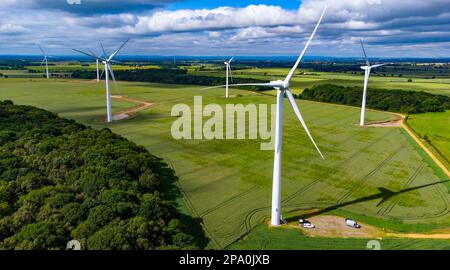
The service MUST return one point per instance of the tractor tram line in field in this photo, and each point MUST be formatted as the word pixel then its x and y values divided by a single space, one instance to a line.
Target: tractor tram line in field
pixel 247 223
pixel 191 206
pixel 336 167
pixel 383 211
pixel 351 186
pixel 230 200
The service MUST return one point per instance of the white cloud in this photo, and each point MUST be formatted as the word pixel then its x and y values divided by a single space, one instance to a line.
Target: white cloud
pixel 212 19
pixel 12 29
pixel 253 29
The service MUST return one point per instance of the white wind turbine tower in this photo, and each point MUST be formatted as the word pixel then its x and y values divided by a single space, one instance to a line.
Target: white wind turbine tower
pixel 283 88
pixel 45 60
pixel 228 74
pixel 367 68
pixel 108 70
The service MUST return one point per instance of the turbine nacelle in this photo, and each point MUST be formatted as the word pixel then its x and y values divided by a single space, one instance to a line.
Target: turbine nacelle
pixel 279 84
pixel 365 67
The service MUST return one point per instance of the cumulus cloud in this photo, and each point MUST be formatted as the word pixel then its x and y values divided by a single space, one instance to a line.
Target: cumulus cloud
pixel 212 19
pixel 385 24
pixel 12 29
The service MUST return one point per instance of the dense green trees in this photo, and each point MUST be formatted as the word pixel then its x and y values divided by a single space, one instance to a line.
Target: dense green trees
pixel 381 99
pixel 60 180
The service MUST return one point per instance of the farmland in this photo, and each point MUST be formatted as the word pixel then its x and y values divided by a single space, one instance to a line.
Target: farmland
pixel 227 183
pixel 309 78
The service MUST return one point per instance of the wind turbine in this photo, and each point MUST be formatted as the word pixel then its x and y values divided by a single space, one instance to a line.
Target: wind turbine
pixel 45 60
pixel 228 74
pixel 283 88
pixel 106 60
pixel 367 68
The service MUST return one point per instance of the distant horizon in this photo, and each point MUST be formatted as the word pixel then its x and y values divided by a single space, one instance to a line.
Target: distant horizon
pixel 76 57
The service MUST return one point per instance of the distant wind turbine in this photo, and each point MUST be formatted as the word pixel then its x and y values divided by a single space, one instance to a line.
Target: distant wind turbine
pixel 45 60
pixel 283 88
pixel 228 74
pixel 367 68
pixel 108 70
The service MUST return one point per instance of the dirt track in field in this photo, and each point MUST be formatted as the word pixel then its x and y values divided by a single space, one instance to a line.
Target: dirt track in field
pixel 335 227
pixel 141 105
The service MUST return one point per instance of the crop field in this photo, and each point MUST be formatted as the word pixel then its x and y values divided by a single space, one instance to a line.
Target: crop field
pixel 435 127
pixel 435 86
pixel 227 183
pixel 263 238
pixel 75 67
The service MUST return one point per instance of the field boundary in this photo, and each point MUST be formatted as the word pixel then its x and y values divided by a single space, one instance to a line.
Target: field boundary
pixel 416 138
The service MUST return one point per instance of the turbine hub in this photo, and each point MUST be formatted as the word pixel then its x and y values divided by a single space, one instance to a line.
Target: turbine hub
pixel 280 84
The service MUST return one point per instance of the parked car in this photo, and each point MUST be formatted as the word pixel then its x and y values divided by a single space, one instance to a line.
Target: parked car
pixel 306 224
pixel 352 223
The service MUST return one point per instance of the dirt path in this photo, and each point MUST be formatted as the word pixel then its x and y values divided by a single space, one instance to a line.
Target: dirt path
pixel 141 105
pixel 334 226
pixel 392 123
pixel 423 146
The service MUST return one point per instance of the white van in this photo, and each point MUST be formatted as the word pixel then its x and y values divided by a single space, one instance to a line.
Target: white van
pixel 352 223
pixel 306 224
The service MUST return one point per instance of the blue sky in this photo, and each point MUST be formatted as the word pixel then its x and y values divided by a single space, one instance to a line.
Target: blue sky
pixel 391 28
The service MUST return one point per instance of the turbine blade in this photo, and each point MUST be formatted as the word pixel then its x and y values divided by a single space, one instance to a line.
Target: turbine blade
pixel 103 72
pixel 85 53
pixel 365 55
pixel 103 49
pixel 245 84
pixel 114 79
pixel 118 50
pixel 43 61
pixel 291 73
pixel 299 115
pixel 40 48
pixel 96 56
pixel 379 65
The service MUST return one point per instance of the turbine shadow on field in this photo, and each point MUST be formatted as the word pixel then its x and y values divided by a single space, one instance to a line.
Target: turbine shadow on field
pixel 384 194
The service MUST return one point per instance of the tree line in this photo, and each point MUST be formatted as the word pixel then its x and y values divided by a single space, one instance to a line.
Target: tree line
pixel 380 99
pixel 170 76
pixel 60 180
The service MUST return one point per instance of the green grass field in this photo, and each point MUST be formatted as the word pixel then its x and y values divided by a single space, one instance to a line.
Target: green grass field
pixel 227 183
